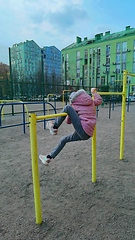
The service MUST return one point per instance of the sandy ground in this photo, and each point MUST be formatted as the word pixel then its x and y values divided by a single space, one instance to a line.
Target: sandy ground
pixel 73 208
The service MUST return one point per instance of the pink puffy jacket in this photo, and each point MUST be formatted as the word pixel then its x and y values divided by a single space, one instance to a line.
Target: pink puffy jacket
pixel 84 105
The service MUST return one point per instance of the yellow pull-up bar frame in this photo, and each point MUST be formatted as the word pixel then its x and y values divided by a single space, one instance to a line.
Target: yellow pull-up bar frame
pixel 34 148
pixel 123 111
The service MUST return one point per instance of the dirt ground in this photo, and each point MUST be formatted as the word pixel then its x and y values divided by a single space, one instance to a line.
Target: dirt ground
pixel 73 208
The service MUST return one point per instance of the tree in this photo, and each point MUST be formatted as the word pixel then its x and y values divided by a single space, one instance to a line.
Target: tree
pixel 4 81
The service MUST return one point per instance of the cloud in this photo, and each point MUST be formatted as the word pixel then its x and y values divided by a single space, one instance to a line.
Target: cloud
pixel 60 14
pixel 27 17
pixel 51 20
pixel 55 22
pixel 67 17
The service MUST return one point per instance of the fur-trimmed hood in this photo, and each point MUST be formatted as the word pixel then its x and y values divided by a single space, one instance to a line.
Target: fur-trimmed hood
pixel 74 95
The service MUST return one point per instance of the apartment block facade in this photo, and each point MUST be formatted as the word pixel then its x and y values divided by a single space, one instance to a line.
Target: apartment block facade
pixel 33 69
pixel 101 60
pixel 51 66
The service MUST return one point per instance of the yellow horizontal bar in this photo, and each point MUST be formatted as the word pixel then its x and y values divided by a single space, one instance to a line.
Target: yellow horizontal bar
pixel 66 91
pixel 3 101
pixel 110 93
pixel 51 94
pixel 51 116
pixel 118 80
pixel 131 74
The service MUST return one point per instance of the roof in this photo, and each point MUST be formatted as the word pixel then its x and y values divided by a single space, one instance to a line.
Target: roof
pixel 101 38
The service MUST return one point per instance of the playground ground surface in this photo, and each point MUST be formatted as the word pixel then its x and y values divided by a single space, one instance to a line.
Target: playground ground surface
pixel 73 208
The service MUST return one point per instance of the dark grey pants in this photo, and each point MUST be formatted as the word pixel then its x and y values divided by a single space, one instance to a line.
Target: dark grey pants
pixel 78 135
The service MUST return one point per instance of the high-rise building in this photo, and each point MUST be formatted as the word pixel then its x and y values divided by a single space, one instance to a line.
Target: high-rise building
pixel 26 68
pixel 52 67
pixel 101 60
pixel 34 71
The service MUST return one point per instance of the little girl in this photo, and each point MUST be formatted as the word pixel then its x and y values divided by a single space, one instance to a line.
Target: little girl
pixel 82 114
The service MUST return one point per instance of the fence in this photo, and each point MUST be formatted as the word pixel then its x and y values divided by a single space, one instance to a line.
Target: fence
pixel 31 91
pixel 24 112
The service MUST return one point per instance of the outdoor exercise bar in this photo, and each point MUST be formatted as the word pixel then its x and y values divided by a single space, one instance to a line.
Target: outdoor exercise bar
pixel 123 111
pixel 34 149
pixel 34 157
pixel 54 98
pixel 24 123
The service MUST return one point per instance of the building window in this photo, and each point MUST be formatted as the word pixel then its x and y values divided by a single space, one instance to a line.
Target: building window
pixel 78 64
pixel 118 58
pixel 86 54
pixel 98 57
pixel 124 47
pixel 134 67
pixel 90 58
pixel 93 82
pixel 98 82
pixel 124 57
pixel 98 70
pixel 134 57
pixel 85 61
pixel 123 66
pixel 134 45
pixel 112 78
pixel 102 80
pixel 107 60
pixel 118 46
pixel 107 50
pixel 98 51
pixel 81 82
pixel 118 68
pixel 91 51
pixel 78 55
pixel 67 57
pixel 98 62
pixel 107 69
pixel 133 89
pixel 67 66
pixel 85 71
pixel 78 73
pixel 107 56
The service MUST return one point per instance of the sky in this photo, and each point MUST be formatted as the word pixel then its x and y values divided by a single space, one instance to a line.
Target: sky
pixel 58 22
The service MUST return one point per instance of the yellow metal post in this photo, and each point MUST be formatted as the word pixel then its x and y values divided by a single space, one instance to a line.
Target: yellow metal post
pixel 35 171
pixel 123 111
pixel 94 153
pixel 94 156
pixel 2 113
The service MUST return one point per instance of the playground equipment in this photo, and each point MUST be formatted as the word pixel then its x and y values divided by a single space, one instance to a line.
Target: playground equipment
pixel 24 108
pixel 34 156
pixel 12 104
pixel 34 149
pixel 54 98
pixel 123 111
pixel 12 101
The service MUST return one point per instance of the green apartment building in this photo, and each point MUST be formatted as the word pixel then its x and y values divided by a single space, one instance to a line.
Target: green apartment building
pixel 34 71
pixel 26 68
pixel 100 61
